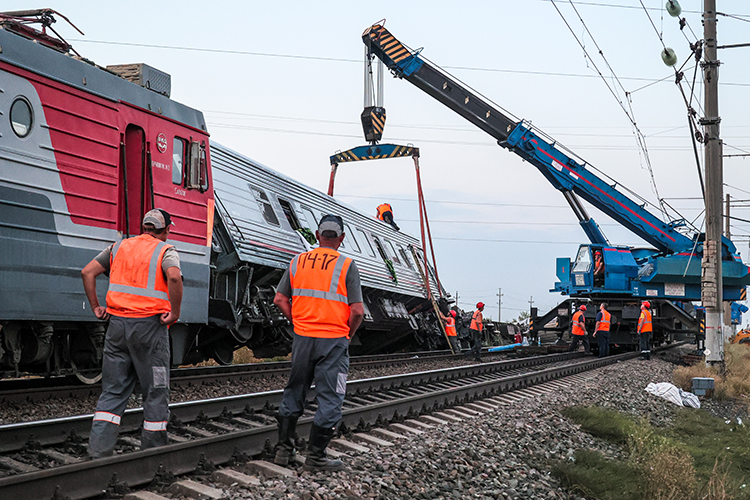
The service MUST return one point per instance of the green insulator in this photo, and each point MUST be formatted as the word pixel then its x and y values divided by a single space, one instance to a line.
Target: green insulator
pixel 668 56
pixel 673 8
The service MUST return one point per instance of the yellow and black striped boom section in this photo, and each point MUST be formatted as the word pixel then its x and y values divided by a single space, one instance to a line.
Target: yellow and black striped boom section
pixel 381 42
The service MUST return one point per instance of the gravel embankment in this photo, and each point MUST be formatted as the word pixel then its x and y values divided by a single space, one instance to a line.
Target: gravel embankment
pixel 500 455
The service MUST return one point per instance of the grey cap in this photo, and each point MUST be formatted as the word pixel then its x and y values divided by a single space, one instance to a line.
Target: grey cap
pixel 331 223
pixel 158 218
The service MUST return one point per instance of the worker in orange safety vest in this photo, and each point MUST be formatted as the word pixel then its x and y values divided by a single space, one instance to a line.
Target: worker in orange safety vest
pixel 144 299
pixel 385 213
pixel 450 330
pixel 579 331
pixel 645 329
pixel 320 294
pixel 601 331
pixel 477 329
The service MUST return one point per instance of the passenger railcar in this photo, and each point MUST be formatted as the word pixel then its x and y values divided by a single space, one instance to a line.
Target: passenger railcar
pixel 84 153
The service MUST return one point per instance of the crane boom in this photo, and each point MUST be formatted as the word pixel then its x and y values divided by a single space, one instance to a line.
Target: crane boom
pixel 562 171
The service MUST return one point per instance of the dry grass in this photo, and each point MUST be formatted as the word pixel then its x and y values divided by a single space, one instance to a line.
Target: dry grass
pixel 735 383
pixel 244 355
pixel 667 468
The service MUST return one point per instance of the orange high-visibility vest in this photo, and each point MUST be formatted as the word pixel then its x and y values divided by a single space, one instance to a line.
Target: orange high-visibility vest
pixel 320 300
pixel 450 327
pixel 137 286
pixel 579 325
pixel 644 322
pixel 604 323
pixel 383 208
pixel 476 321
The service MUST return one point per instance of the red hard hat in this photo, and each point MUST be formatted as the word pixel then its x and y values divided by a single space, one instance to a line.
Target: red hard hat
pixel 646 304
pixel 583 307
pixel 597 252
pixel 480 305
pixel 453 313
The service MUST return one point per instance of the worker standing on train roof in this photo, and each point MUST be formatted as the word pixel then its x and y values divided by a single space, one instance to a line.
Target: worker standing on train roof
pixel 579 331
pixel 144 298
pixel 601 331
pixel 645 327
pixel 326 310
pixel 450 330
pixel 385 213
pixel 477 329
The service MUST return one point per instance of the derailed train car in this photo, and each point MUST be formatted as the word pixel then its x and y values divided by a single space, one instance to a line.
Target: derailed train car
pixel 85 152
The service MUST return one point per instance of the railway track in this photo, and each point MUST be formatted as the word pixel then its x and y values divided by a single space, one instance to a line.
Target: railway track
pixel 40 389
pixel 39 457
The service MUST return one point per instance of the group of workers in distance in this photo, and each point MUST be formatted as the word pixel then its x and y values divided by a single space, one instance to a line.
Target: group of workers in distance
pixel 601 330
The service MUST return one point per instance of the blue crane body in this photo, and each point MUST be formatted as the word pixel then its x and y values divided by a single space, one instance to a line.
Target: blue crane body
pixel 670 270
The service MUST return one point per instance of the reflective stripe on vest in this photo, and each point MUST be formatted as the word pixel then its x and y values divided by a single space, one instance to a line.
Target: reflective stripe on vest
pixel 604 323
pixel 154 426
pixel 320 302
pixel 450 327
pixel 476 323
pixel 106 416
pixel 644 322
pixel 579 326
pixel 132 295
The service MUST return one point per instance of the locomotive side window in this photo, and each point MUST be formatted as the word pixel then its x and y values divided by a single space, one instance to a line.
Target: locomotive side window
pixel 197 175
pixel 351 238
pixel 368 246
pixel 291 216
pixel 265 205
pixel 21 117
pixel 179 148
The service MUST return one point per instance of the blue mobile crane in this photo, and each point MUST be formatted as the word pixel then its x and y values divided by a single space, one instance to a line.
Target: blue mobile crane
pixel 668 275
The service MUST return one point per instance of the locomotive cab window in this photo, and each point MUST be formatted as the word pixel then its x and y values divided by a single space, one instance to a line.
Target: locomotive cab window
pixel 196 174
pixel 179 148
pixel 265 205
pixel 291 216
pixel 21 117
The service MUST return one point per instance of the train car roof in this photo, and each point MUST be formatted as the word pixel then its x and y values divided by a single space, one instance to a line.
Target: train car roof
pixel 50 63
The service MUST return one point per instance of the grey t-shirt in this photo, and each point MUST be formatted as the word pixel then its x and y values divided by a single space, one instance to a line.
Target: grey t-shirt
pixel 171 258
pixel 353 286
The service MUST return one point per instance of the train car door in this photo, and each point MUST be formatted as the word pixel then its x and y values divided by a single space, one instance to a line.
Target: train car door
pixel 136 185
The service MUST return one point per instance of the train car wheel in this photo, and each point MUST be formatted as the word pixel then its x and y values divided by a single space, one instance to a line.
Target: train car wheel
pixel 222 353
pixel 91 376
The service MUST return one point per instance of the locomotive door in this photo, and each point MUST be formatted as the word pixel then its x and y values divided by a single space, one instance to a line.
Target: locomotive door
pixel 136 182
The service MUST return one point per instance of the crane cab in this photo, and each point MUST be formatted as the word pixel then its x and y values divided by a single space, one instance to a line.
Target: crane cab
pixel 597 269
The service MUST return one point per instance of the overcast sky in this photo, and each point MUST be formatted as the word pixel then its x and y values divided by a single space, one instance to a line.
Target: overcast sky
pixel 281 82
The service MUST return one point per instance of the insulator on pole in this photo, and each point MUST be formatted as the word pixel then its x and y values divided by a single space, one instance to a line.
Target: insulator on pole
pixel 668 56
pixel 673 8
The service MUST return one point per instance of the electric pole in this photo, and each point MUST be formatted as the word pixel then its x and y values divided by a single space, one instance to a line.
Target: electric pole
pixel 531 302
pixel 499 304
pixel 711 280
pixel 457 299
pixel 727 305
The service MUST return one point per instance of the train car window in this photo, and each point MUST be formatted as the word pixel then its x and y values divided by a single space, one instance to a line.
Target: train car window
pixel 392 252
pixel 265 205
pixel 368 246
pixel 405 257
pixel 312 221
pixel 21 117
pixel 179 148
pixel 291 216
pixel 380 248
pixel 351 238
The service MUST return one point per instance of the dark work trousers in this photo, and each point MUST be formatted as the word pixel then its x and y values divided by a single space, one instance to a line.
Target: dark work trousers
pixel 577 338
pixel 602 338
pixel 135 349
pixel 476 343
pixel 645 344
pixel 325 362
pixel 454 344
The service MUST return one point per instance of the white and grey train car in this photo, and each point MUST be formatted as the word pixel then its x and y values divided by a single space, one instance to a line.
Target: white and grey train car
pixel 261 216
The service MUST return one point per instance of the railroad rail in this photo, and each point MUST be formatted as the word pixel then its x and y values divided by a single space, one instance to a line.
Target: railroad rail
pixel 40 389
pixel 228 430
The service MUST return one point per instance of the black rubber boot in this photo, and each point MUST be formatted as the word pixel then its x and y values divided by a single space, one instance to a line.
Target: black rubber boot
pixel 316 457
pixel 285 449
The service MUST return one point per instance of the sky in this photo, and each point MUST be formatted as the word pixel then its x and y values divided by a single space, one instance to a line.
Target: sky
pixel 282 83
